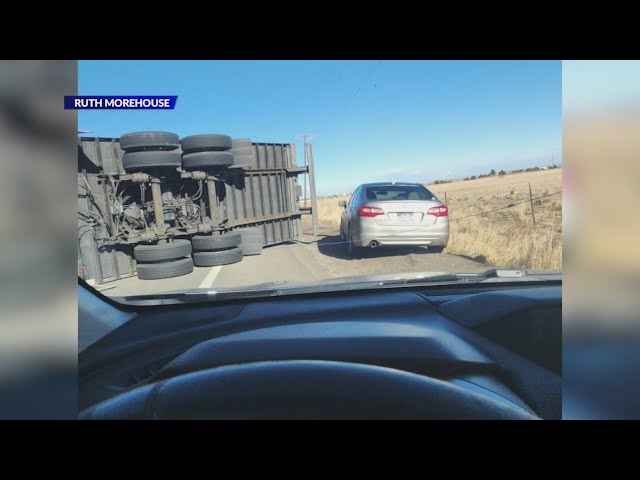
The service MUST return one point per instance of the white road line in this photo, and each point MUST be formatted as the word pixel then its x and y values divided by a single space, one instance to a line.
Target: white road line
pixel 211 277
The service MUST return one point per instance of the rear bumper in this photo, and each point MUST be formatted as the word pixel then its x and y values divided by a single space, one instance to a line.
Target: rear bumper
pixel 434 235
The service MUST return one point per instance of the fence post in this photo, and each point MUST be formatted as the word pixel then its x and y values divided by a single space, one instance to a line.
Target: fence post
pixel 446 202
pixel 533 215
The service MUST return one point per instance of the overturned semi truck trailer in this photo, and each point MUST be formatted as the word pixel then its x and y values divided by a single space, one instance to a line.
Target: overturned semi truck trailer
pixel 155 206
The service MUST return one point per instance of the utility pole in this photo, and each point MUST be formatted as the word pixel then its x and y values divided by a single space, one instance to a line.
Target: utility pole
pixel 305 137
pixel 308 163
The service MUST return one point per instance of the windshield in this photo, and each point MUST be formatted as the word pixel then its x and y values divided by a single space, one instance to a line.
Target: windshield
pixel 269 174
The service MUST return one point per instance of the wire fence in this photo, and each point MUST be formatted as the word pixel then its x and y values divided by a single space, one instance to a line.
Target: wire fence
pixel 510 205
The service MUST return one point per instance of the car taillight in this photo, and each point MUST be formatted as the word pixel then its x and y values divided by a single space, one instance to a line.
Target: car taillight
pixel 438 211
pixel 370 211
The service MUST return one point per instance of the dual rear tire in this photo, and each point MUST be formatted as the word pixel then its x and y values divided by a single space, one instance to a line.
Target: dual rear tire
pixel 152 150
pixel 143 141
pixel 173 259
pixel 216 249
pixel 222 257
pixel 167 269
pixel 166 260
pixel 206 151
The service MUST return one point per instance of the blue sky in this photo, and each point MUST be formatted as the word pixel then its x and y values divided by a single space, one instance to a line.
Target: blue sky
pixel 408 121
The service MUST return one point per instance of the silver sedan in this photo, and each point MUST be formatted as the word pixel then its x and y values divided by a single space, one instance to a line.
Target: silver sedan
pixel 394 213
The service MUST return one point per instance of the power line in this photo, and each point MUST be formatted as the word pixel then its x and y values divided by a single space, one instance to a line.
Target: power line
pixel 364 80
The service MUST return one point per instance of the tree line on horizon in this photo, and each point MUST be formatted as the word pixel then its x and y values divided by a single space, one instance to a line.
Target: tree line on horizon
pixel 501 173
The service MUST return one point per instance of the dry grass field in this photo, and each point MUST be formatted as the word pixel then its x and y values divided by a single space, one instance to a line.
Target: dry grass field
pixel 505 238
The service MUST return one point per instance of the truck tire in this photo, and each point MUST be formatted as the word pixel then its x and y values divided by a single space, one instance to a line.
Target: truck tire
pixel 167 251
pixel 141 160
pixel 196 160
pixel 352 251
pixel 207 243
pixel 212 259
pixel 211 142
pixel 174 268
pixel 134 141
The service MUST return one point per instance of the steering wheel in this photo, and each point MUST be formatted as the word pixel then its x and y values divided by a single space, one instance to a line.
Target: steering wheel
pixel 303 389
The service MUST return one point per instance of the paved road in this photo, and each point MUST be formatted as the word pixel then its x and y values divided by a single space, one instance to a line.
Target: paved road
pixel 309 259
pixel 281 262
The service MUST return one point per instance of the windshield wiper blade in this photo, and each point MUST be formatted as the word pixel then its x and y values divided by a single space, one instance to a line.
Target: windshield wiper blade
pixel 458 277
pixel 199 295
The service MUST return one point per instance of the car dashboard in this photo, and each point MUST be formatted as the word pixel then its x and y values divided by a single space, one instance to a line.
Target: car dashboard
pixel 452 352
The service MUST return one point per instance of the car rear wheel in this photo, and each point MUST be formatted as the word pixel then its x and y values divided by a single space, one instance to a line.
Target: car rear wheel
pixel 352 251
pixel 436 249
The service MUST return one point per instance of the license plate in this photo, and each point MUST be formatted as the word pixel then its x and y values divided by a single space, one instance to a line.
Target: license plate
pixel 405 217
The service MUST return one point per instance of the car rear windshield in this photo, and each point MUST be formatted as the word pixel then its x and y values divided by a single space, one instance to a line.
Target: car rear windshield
pixel 398 192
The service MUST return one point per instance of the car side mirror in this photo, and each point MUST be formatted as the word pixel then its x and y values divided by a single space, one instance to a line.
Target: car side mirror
pixel 342 203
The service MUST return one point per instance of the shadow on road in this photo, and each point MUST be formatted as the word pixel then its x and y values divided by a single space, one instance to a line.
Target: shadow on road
pixel 332 246
pixel 478 258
